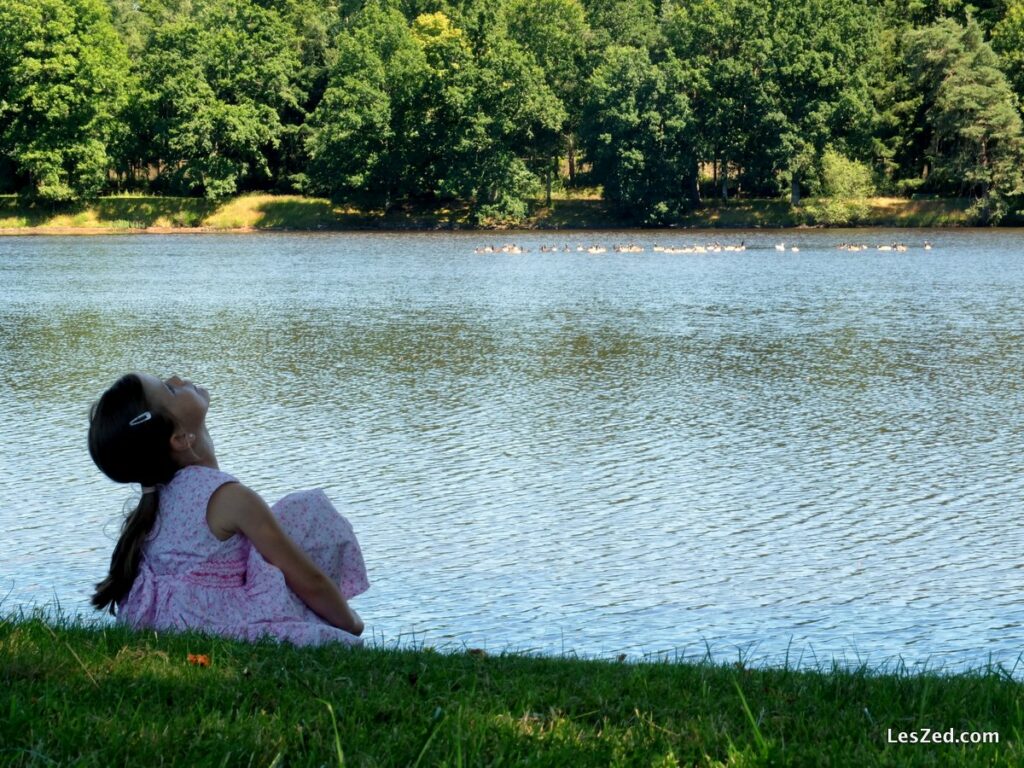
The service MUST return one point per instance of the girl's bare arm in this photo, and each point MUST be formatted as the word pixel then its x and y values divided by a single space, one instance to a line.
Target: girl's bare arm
pixel 234 508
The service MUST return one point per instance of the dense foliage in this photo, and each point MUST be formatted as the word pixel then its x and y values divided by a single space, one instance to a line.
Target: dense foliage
pixel 492 103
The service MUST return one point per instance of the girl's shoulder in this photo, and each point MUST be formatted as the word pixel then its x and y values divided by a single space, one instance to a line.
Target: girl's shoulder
pixel 199 476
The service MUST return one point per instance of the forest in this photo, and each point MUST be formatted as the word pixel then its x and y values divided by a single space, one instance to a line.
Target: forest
pixel 492 104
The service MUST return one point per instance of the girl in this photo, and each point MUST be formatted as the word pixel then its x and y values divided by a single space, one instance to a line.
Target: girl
pixel 202 551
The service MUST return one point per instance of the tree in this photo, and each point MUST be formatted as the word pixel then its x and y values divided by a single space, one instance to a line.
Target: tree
pixel 358 130
pixel 63 77
pixel 977 145
pixel 214 82
pixel 413 112
pixel 511 130
pixel 818 70
pixel 728 60
pixel 1008 42
pixel 635 132
pixel 313 26
pixel 630 23
pixel 556 34
pixel 844 185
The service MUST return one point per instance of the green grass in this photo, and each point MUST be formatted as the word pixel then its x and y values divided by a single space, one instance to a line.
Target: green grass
pixel 743 213
pixel 590 212
pixel 573 209
pixel 106 696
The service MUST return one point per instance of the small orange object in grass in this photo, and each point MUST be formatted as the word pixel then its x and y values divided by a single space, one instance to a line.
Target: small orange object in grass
pixel 199 659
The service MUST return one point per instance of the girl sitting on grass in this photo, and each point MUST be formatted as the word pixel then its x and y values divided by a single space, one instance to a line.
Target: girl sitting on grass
pixel 201 551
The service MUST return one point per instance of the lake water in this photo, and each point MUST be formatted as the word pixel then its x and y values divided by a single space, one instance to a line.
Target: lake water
pixel 816 453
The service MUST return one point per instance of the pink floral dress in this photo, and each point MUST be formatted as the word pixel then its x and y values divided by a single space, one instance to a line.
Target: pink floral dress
pixel 189 579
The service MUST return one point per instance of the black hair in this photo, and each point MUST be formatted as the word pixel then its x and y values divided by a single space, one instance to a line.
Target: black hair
pixel 127 453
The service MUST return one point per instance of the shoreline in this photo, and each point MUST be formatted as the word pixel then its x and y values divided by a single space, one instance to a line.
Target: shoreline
pixel 254 213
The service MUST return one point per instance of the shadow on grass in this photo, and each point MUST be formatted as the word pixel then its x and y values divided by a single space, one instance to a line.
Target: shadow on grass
pixel 303 214
pixel 36 214
pixel 320 214
pixel 741 213
pixel 313 214
pixel 134 212
pixel 150 211
pixel 576 214
pixel 596 214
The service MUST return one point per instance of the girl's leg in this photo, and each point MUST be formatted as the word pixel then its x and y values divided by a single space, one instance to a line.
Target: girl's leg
pixel 313 523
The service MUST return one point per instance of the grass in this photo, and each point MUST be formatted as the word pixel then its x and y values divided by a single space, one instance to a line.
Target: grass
pixel 572 209
pixel 743 213
pixel 588 211
pixel 95 696
pixel 245 212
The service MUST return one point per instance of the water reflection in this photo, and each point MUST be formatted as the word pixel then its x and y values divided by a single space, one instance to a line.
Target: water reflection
pixel 628 452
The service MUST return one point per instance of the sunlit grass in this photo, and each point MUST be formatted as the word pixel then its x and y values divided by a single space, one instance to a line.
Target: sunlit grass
pixel 99 696
pixel 897 211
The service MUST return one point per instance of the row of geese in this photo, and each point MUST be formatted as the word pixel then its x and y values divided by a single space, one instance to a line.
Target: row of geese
pixel 707 248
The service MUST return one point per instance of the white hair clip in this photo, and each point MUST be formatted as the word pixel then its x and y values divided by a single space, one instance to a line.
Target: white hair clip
pixel 142 418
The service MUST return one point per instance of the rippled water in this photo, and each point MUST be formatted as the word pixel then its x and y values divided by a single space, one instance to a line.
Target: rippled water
pixel 754 453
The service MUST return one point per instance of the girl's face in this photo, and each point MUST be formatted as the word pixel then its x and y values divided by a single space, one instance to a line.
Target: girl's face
pixel 186 403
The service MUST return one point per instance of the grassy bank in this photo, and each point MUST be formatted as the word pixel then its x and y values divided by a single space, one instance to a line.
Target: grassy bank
pixel 290 212
pixel 101 697
pixel 247 212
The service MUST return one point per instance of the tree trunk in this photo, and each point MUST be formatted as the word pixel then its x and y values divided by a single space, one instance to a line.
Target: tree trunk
pixel 794 194
pixel 725 179
pixel 986 213
pixel 572 160
pixel 695 184
pixel 550 163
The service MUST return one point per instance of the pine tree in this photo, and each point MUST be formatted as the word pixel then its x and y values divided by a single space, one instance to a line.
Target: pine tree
pixel 977 144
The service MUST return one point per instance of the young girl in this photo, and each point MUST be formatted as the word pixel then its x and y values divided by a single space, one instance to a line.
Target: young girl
pixel 202 551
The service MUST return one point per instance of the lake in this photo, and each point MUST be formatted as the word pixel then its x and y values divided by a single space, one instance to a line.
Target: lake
pixel 750 454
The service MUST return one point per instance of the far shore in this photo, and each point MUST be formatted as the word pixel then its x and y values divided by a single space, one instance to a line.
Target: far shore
pixel 134 214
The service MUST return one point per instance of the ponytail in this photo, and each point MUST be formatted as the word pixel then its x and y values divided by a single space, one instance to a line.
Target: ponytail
pixel 124 563
pixel 128 452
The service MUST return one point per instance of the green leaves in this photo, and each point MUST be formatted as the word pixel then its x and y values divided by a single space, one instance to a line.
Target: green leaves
pixel 634 129
pixel 473 102
pixel 977 144
pixel 1008 42
pixel 62 83
pixel 213 87
pixel 414 111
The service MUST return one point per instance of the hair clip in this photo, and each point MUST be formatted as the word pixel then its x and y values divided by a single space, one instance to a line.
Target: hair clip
pixel 142 418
